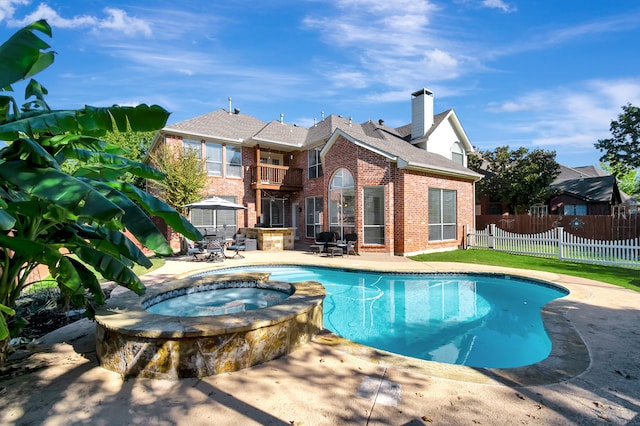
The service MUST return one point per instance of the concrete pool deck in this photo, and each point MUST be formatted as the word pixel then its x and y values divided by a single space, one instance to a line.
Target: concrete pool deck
pixel 329 382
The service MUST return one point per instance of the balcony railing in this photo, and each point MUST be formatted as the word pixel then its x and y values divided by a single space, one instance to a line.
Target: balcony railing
pixel 270 176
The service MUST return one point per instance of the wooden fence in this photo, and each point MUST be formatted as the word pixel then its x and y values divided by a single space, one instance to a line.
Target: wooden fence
pixel 559 244
pixel 609 227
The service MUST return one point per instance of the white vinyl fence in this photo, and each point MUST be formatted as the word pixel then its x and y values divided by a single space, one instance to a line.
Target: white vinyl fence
pixel 559 244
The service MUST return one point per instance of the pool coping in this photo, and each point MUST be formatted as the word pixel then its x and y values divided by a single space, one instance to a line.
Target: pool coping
pixel 569 355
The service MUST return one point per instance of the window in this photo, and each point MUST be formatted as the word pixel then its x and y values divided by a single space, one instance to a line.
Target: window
pixel 189 144
pixel 442 214
pixel 342 202
pixel 273 212
pixel 211 220
pixel 234 161
pixel 315 166
pixel 457 153
pixel 374 215
pixel 314 206
pixel 575 209
pixel 214 159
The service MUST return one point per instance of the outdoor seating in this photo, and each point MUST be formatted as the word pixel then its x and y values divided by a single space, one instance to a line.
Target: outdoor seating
pixel 239 244
pixel 195 249
pixel 351 244
pixel 322 242
pixel 215 248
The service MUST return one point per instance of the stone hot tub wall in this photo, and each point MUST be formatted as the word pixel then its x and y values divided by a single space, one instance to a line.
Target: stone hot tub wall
pixel 134 342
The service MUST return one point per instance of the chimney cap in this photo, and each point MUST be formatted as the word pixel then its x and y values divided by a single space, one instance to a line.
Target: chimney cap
pixel 422 91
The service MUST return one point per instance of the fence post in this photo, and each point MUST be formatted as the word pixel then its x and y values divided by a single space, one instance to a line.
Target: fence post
pixel 560 241
pixel 466 236
pixel 492 232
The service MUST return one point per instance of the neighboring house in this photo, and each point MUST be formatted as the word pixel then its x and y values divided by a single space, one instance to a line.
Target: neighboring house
pixel 403 190
pixel 584 191
pixel 580 191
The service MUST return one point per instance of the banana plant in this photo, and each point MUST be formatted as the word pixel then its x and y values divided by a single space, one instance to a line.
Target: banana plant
pixel 69 220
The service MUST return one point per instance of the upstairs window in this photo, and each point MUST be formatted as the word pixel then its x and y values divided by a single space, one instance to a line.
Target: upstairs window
pixel 234 161
pixel 315 166
pixel 191 145
pixel 457 153
pixel 214 159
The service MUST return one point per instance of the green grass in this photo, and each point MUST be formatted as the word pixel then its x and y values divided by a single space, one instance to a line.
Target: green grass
pixel 49 282
pixel 623 277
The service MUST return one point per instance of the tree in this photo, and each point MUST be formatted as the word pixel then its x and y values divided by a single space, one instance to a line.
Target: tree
pixel 185 176
pixel 628 181
pixel 135 146
pixel 622 151
pixel 519 178
pixel 184 182
pixel 68 220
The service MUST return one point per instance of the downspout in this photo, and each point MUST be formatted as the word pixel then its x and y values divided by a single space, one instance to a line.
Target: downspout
pixel 393 210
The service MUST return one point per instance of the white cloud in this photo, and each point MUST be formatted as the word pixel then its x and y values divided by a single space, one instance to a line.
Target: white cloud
pixel 119 21
pixel 396 44
pixel 116 20
pixel 568 119
pixel 8 8
pixel 499 4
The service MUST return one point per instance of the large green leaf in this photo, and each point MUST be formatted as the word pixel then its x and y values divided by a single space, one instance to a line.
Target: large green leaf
pixel 112 242
pixel 44 254
pixel 141 118
pixel 111 268
pixel 116 163
pixel 21 54
pixel 156 207
pixel 25 149
pixel 135 219
pixel 6 220
pixel 90 121
pixel 58 187
pixel 4 329
pixel 89 280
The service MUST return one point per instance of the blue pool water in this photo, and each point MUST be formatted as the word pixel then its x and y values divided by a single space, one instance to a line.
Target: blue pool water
pixel 218 302
pixel 486 321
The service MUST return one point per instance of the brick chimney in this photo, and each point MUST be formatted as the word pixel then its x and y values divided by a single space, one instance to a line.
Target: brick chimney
pixel 421 113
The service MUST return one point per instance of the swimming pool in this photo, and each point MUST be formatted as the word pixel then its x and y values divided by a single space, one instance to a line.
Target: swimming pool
pixel 477 320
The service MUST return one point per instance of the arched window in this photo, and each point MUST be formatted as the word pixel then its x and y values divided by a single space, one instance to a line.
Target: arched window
pixel 457 153
pixel 342 202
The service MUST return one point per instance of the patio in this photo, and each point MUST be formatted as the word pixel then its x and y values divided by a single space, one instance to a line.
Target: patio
pixel 329 382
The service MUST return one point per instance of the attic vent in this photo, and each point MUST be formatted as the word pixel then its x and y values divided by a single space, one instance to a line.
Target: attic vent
pixel 281 118
pixel 236 111
pixel 381 122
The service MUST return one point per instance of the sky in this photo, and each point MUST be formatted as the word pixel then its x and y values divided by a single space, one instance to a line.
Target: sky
pixel 538 74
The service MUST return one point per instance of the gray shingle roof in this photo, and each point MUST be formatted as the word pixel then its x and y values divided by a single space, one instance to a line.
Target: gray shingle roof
pixel 245 129
pixel 219 125
pixel 598 188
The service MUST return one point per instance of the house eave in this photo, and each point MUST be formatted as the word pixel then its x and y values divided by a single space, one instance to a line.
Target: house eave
pixel 338 132
pixel 443 171
pixel 269 142
pixel 182 133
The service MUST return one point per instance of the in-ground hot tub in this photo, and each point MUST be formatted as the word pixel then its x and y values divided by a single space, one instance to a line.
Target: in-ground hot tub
pixel 135 342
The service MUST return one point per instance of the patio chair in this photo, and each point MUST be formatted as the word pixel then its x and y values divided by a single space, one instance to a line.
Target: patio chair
pixel 238 245
pixel 215 248
pixel 195 248
pixel 351 244
pixel 322 241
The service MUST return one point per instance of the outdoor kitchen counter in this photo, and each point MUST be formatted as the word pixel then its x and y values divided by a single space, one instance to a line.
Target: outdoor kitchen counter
pixel 271 239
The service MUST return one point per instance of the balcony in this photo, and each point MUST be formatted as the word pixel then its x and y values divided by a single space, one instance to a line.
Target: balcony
pixel 281 178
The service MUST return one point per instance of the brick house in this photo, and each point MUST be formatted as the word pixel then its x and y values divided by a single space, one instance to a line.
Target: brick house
pixel 403 190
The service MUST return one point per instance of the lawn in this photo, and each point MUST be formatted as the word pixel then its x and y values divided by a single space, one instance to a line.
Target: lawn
pixel 623 277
